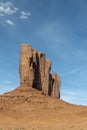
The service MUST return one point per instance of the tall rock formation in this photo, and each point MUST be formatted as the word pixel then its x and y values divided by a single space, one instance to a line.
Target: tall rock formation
pixel 35 72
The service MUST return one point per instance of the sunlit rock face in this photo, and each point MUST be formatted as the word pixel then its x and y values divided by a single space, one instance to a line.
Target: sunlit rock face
pixel 35 72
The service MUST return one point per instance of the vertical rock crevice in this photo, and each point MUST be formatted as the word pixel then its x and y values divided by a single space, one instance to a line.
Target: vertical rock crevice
pixel 35 72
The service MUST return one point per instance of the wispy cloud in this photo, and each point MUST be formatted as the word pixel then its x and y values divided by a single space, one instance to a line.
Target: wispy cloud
pixel 74 96
pixel 1 14
pixel 7 8
pixel 9 22
pixel 25 15
pixel 58 33
pixel 75 70
pixel 7 82
pixel 7 85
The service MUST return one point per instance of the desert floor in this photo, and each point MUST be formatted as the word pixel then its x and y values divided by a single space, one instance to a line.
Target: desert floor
pixel 28 109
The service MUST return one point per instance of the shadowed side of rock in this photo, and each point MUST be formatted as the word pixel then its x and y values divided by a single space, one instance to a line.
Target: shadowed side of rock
pixel 35 72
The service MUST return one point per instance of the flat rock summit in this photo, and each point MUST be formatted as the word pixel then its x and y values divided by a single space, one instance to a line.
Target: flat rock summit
pixel 36 103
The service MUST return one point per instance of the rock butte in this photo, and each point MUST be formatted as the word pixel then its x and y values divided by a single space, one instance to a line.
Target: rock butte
pixel 35 72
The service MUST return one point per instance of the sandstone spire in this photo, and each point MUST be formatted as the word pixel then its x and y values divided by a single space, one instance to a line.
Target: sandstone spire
pixel 35 72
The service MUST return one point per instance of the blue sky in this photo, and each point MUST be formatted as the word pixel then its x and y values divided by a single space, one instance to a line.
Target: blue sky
pixel 56 27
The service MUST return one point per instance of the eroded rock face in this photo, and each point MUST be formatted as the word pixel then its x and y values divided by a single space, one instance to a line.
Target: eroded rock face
pixel 35 72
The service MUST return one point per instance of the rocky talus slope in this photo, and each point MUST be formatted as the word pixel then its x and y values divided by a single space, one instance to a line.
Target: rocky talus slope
pixel 27 109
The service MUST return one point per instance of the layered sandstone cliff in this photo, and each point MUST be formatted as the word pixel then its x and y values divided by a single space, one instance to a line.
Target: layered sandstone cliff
pixel 35 72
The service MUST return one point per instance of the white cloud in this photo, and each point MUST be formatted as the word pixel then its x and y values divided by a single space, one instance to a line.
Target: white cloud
pixel 7 8
pixel 9 22
pixel 25 15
